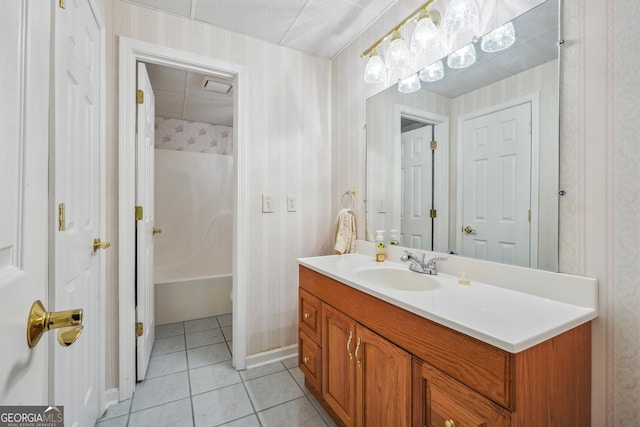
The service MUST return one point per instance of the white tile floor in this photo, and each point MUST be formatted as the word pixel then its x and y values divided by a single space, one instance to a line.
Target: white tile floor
pixel 190 382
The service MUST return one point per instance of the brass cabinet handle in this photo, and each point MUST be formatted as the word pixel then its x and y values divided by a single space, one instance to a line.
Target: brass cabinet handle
pixel 156 231
pixel 359 362
pixel 97 244
pixel 467 230
pixel 349 345
pixel 40 321
pixel 306 315
pixel 449 423
pixel 305 359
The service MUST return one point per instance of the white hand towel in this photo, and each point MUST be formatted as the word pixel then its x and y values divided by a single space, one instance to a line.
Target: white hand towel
pixel 345 229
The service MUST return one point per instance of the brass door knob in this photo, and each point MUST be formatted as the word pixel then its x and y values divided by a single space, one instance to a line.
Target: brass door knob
pixel 156 231
pixel 41 321
pixel 468 229
pixel 449 423
pixel 97 244
pixel 306 315
pixel 306 359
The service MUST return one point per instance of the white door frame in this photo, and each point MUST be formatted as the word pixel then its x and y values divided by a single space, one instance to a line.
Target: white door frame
pixel 132 51
pixel 534 99
pixel 441 185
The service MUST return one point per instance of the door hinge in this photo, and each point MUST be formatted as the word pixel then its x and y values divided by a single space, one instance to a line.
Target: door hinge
pixel 530 127
pixel 139 329
pixel 61 4
pixel 62 222
pixel 139 96
pixel 433 145
pixel 529 215
pixel 433 213
pixel 139 213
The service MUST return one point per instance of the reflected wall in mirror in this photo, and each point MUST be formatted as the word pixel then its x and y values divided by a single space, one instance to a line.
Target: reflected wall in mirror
pixel 487 187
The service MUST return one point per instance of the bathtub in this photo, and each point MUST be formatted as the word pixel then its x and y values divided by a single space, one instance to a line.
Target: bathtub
pixel 193 254
pixel 192 298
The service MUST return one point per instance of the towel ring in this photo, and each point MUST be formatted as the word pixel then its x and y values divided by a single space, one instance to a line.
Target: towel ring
pixel 353 199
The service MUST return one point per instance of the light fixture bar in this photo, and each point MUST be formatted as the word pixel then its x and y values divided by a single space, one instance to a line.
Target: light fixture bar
pixel 415 14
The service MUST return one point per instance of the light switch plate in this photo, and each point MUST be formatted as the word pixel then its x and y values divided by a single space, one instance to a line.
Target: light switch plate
pixel 267 203
pixel 292 204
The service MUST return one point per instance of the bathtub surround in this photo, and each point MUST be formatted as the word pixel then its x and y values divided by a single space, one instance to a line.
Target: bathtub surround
pixel 194 208
pixel 183 135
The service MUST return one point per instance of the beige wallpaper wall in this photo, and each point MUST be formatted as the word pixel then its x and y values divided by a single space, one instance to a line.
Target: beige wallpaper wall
pixel 599 158
pixel 288 146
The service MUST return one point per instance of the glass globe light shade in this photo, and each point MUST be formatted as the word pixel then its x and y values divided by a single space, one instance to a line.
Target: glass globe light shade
pixel 425 36
pixel 376 70
pixel 462 57
pixel 499 39
pixel 398 53
pixel 460 16
pixel 409 84
pixel 432 73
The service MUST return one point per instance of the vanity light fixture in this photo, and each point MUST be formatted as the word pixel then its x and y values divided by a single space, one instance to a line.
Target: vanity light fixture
pixel 398 55
pixel 499 39
pixel 409 84
pixel 463 57
pixel 432 73
pixel 425 35
pixel 460 16
pixel 376 70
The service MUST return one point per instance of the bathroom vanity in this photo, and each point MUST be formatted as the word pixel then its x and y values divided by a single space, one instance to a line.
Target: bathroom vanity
pixel 377 353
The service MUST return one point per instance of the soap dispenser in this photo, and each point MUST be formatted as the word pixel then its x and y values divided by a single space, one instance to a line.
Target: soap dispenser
pixel 393 237
pixel 380 247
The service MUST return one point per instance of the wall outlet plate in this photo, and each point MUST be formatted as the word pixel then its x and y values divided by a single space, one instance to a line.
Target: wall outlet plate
pixel 267 203
pixel 292 204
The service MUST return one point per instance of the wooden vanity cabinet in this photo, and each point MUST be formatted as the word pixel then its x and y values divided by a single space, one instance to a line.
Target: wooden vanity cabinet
pixel 381 365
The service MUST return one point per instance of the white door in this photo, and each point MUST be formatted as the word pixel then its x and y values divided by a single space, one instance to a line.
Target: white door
pixel 415 165
pixel 144 226
pixel 497 185
pixel 23 190
pixel 77 174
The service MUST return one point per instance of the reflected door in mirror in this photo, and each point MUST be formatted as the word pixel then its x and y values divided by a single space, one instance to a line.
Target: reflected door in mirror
pixel 416 192
pixel 496 176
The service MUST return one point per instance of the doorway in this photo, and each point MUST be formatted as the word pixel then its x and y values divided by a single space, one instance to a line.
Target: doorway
pixel 132 52
pixel 193 194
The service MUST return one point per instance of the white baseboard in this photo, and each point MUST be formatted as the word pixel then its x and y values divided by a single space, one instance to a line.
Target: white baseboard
pixel 271 356
pixel 111 397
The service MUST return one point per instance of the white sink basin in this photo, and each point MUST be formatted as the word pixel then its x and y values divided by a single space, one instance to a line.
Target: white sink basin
pixel 399 279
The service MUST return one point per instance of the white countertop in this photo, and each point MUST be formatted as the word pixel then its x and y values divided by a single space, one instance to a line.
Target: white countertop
pixel 505 318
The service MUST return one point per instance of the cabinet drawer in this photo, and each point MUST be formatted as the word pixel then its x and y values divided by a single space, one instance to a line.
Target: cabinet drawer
pixel 310 359
pixel 309 315
pixel 440 400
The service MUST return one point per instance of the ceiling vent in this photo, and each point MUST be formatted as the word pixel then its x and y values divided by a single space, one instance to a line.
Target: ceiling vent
pixel 215 85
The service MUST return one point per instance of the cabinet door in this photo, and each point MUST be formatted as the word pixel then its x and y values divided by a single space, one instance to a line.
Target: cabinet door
pixel 338 367
pixel 383 381
pixel 439 401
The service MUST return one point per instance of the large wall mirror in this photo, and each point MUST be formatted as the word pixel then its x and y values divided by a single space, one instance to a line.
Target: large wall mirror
pixel 469 164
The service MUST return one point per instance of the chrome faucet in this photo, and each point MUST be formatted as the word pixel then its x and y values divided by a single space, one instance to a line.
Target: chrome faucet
pixel 419 266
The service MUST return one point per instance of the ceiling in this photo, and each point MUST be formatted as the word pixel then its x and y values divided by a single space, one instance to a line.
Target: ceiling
pixel 318 27
pixel 180 95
